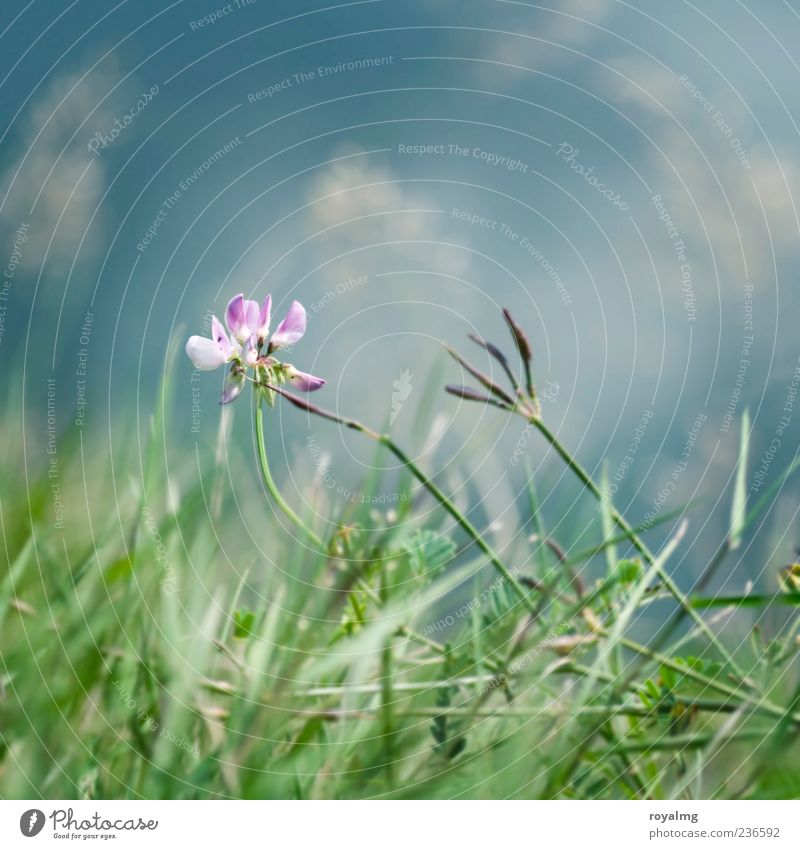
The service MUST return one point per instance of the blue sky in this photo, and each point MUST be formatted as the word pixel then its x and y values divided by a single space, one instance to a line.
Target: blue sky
pixel 623 176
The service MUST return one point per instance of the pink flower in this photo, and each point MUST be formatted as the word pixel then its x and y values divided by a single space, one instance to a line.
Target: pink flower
pixel 245 319
pixel 208 354
pixel 248 347
pixel 291 329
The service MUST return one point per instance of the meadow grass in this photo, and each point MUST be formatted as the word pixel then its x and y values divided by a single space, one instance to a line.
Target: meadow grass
pixel 403 658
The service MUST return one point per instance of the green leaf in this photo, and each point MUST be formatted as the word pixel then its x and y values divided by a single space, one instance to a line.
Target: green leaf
pixel 608 523
pixel 709 668
pixel 538 520
pixel 747 600
pixel 629 571
pixel 739 504
pixel 668 677
pixel 118 570
pixel 308 733
pixel 243 623
pixel 429 552
pixel 447 733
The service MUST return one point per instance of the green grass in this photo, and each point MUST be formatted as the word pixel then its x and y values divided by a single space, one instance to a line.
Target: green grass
pixel 146 656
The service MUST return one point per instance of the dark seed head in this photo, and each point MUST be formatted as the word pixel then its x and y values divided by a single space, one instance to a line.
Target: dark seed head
pixel 523 345
pixel 466 393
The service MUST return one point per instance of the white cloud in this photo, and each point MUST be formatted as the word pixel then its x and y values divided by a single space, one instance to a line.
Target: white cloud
pixel 48 180
pixel 362 202
pixel 711 170
pixel 538 39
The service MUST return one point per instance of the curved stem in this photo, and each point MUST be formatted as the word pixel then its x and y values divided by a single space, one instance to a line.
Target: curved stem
pixel 587 481
pixel 269 483
pixel 764 705
pixel 437 493
pixel 460 518
pixel 635 539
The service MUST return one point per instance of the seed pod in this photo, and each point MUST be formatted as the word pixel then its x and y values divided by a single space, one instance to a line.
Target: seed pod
pixel 523 345
pixel 471 395
pixel 481 377
pixel 466 393
pixel 495 352
pixel 524 348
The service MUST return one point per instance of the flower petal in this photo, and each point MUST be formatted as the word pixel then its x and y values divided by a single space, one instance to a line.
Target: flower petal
pixel 204 353
pixel 251 350
pixel 234 316
pixel 219 335
pixel 291 329
pixel 251 311
pixel 241 316
pixel 264 318
pixel 303 381
pixel 234 383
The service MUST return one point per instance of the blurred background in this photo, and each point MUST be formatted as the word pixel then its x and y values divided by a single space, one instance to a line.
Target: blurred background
pixel 621 177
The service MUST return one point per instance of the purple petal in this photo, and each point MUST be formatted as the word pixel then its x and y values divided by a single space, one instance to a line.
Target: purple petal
pixel 303 381
pixel 264 318
pixel 219 336
pixel 235 318
pixel 291 329
pixel 234 383
pixel 252 313
pixel 205 353
pixel 241 316
pixel 251 350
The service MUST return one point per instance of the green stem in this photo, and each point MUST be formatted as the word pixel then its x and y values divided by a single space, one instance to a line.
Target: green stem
pixel 386 440
pixel 387 698
pixel 714 706
pixel 460 518
pixel 438 648
pixel 587 481
pixel 764 705
pixel 269 483
pixel 683 741
pixel 635 539
pixel 514 713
